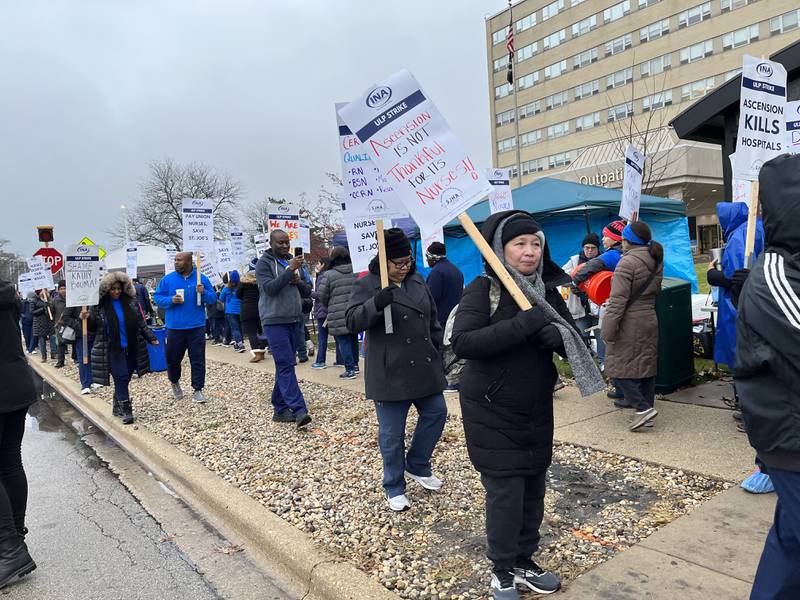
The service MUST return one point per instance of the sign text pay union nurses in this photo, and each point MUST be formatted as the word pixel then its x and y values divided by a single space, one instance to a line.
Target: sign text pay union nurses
pixel 761 116
pixel 414 148
pixel 198 230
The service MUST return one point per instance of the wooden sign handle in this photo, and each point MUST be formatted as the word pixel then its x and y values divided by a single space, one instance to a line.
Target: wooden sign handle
pixel 384 267
pixel 752 216
pixel 199 295
pixel 85 340
pixel 494 262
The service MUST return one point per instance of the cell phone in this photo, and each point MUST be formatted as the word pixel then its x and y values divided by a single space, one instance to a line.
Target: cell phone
pixel 298 253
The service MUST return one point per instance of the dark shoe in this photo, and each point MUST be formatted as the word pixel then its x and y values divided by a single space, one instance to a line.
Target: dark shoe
pixel 302 359
pixel 622 403
pixel 127 412
pixel 615 394
pixel 503 585
pixel 303 419
pixel 536 578
pixel 559 385
pixel 740 427
pixel 15 562
pixel 284 416
pixel 116 408
pixel 59 365
pixel 737 415
pixel 348 375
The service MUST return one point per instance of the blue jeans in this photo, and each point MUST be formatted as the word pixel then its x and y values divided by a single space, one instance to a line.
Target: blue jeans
pixel 348 350
pixel 778 574
pixel 286 391
pixel 84 370
pixel 27 333
pixel 392 439
pixel 121 364
pixel 322 342
pixel 641 393
pixel 235 326
pixel 179 341
pixel 217 328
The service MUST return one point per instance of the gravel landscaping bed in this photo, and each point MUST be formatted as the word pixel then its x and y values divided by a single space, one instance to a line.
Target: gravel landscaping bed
pixel 326 481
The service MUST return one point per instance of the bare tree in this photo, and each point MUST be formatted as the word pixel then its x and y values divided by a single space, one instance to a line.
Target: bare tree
pixel 155 216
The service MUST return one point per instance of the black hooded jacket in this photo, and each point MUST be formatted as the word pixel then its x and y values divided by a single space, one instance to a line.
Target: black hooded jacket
pixel 18 389
pixel 507 384
pixel 767 370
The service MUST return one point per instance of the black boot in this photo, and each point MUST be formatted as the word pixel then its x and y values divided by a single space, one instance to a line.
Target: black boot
pixel 116 408
pixel 14 560
pixel 127 412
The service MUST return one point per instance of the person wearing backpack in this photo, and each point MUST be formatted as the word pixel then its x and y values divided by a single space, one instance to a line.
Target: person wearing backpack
pixel 630 324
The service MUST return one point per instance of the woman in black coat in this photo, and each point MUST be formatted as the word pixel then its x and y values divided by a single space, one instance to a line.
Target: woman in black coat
pixel 403 368
pixel 16 394
pixel 43 327
pixel 247 291
pixel 507 392
pixel 121 336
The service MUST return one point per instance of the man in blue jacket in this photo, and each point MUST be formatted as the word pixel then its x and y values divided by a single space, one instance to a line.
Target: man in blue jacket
pixel 445 281
pixel 186 323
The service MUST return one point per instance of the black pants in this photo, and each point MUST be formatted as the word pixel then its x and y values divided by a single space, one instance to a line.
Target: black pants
pixel 13 483
pixel 179 341
pixel 122 365
pixel 62 352
pixel 514 512
pixel 255 334
pixel 639 392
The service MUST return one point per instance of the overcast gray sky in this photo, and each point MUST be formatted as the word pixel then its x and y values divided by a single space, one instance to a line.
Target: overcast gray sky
pixel 93 90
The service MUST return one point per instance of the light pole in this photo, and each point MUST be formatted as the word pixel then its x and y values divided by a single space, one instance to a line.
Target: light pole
pixel 125 217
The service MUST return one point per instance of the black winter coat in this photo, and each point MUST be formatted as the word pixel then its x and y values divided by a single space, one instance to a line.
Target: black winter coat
pixel 334 293
pixel 17 391
pixel 247 292
pixel 72 318
pixel 100 349
pixel 42 323
pixel 404 365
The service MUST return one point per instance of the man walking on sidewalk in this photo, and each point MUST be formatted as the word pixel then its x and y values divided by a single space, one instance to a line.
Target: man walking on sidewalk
pixel 280 307
pixel 185 320
pixel 767 371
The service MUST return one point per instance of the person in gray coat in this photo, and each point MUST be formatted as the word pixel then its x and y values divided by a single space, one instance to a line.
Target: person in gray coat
pixel 403 368
pixel 334 294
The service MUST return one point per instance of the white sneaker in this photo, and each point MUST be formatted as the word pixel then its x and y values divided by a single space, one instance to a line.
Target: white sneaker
pixel 432 482
pixel 86 391
pixel 398 503
pixel 95 386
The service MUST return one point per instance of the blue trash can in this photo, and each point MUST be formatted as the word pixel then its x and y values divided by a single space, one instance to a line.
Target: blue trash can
pixel 158 357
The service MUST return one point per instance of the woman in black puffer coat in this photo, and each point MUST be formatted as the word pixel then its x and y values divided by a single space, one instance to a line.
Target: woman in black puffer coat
pixel 120 344
pixel 247 291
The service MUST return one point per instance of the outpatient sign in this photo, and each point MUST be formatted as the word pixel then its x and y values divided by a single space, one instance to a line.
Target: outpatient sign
pixel 198 224
pixel 412 145
pixel 82 274
pixel 500 198
pixel 762 125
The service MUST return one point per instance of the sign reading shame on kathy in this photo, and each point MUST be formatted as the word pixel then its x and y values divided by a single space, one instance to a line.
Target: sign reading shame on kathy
pixel 287 218
pixel 762 102
pixel 198 224
pixel 414 148
pixel 82 273
pixel 500 198
pixel 632 184
pixel 793 127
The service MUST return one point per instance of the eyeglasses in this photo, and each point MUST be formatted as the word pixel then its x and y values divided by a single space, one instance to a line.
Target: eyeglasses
pixel 404 264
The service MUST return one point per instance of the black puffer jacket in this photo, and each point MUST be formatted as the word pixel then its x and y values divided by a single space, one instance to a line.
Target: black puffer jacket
pixel 507 384
pixel 334 293
pixel 17 390
pixel 137 342
pixel 247 292
pixel 767 370
pixel 42 323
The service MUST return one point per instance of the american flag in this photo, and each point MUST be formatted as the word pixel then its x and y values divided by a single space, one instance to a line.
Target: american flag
pixel 510 46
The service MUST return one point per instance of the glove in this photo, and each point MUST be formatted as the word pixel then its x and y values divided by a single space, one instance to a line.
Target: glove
pixel 737 283
pixel 548 338
pixel 531 320
pixel 384 297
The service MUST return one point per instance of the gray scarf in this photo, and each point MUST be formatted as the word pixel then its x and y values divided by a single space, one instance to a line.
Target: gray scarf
pixel 587 376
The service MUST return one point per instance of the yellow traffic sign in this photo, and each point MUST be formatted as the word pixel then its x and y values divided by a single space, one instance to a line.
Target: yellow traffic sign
pixel 88 242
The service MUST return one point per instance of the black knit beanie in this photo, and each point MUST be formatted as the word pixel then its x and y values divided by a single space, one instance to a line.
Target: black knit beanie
pixel 437 249
pixel 519 224
pixel 397 244
pixel 592 239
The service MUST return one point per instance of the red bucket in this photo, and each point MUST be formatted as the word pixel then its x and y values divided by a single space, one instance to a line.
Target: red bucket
pixel 597 287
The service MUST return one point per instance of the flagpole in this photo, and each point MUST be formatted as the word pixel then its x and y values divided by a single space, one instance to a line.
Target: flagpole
pixel 512 82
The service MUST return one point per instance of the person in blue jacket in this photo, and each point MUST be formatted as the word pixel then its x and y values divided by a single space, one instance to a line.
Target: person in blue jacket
pixel 233 308
pixel 186 323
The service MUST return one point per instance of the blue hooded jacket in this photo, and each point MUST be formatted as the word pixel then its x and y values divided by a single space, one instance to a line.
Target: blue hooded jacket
pixel 733 220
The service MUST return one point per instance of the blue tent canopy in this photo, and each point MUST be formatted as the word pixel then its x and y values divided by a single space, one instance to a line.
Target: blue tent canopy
pixel 566 211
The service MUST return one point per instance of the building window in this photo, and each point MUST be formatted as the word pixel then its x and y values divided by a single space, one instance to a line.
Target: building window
pixel 731 74
pixel 584 58
pixel 587 89
pixel 504 118
pixel 532 166
pixel 499 36
pixel 696 52
pixel 558 130
pixel 506 145
pixel 529 80
pixel 618 45
pixel 527 52
pixel 501 63
pixel 552 9
pixel 556 100
pixel 656 65
pixel 555 69
pixel 617 11
pixel 526 22
pixel 785 22
pixel 576 2
pixel 530 109
pixel 728 5
pixel 740 37
pixel 693 90
pixel 656 30
pixel 554 39
pixel 587 121
pixel 657 101
pixel 646 3
pixel 619 112
pixel 562 159
pixel 513 172
pixel 530 138
pixel 501 91
pixel 694 15
pixel 582 27
pixel 619 78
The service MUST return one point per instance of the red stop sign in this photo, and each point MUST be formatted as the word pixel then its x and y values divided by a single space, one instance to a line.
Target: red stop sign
pixel 52 258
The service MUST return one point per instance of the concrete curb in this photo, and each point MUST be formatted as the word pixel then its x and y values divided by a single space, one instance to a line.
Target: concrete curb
pixel 293 559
